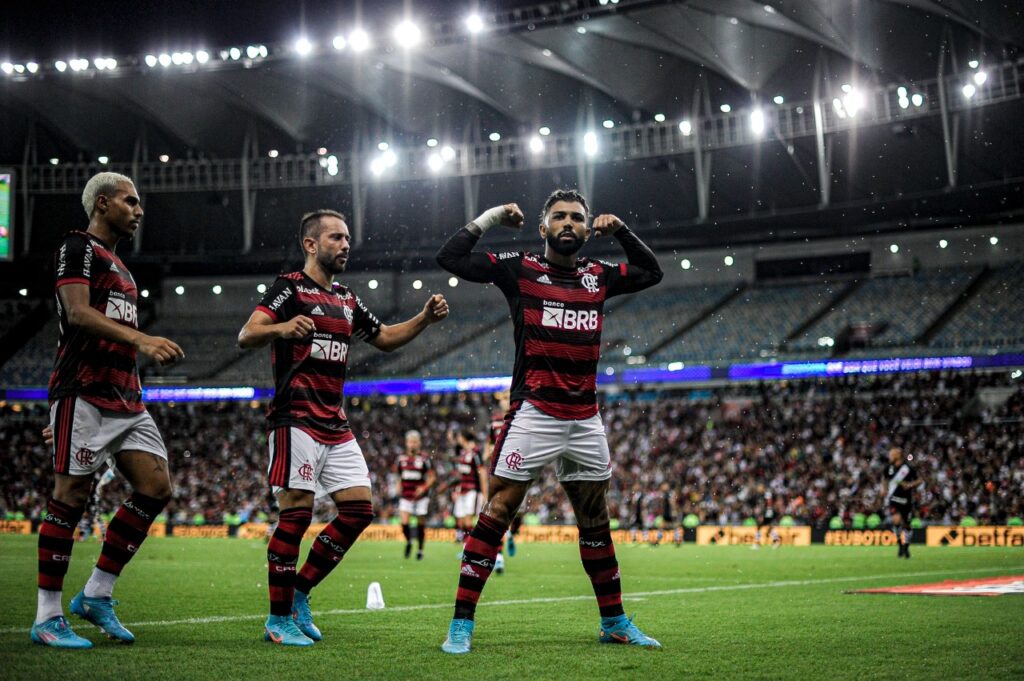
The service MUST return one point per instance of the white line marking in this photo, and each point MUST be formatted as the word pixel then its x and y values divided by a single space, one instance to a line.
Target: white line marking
pixel 640 595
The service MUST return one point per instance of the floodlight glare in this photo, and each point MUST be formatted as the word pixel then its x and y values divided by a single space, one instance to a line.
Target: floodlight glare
pixel 61 66
pixel 969 90
pixel 980 77
pixel 165 60
pixel 202 56
pixel 408 34
pixel 725 108
pixel 447 153
pixel 359 40
pixel 339 42
pixel 545 131
pixel 659 118
pixel 474 23
pixel 685 128
pixel 779 99
pixel 590 144
pixel 536 145
pixel 757 122
pixel 435 162
pixel 303 46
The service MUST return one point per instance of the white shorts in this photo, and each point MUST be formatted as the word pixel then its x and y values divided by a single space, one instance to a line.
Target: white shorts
pixel 297 461
pixel 467 504
pixel 534 439
pixel 417 508
pixel 85 437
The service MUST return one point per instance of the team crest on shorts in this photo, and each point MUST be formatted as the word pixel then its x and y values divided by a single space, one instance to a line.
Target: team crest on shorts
pixel 85 457
pixel 513 460
pixel 306 472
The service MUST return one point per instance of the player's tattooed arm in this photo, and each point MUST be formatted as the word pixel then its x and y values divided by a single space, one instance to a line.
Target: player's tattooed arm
pixel 75 299
pixel 261 329
pixel 589 500
pixel 457 256
pixel 394 336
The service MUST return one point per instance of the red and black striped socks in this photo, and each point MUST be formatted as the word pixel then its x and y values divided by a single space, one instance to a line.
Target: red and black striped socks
pixel 598 555
pixel 477 563
pixel 333 542
pixel 56 539
pixel 282 556
pixel 125 534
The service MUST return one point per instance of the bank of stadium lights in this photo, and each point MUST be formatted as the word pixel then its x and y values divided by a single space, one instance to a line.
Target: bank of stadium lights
pixel 590 146
pixel 943 243
pixel 475 23
pixel 850 104
pixel 339 43
pixel 435 162
pixel 447 153
pixel 659 118
pixel 980 77
pixel 104 63
pixel 536 145
pixel 381 163
pixel 329 163
pixel 217 289
pixel 686 128
pixel 164 59
pixel 359 40
pixel 372 284
pixel 407 34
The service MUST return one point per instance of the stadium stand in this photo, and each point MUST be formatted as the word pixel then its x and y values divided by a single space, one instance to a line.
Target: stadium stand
pixel 986 321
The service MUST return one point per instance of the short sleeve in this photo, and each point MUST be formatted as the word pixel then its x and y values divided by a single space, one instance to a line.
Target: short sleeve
pixel 74 261
pixel 279 301
pixel 365 324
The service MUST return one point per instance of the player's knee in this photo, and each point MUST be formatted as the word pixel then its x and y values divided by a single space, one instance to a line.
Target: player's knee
pixel 72 490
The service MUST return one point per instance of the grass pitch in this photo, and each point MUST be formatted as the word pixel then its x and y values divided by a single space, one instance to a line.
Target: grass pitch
pixel 196 607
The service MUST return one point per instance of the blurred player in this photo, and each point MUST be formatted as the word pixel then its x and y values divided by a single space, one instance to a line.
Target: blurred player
pixel 766 524
pixel 637 514
pixel 472 481
pixel 96 412
pixel 418 476
pixel 903 480
pixel 667 517
pixel 557 305
pixel 310 320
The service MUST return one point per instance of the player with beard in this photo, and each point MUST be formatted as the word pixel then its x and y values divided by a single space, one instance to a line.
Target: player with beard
pixel 310 321
pixel 556 302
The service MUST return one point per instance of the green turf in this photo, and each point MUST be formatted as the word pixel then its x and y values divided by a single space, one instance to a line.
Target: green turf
pixel 735 614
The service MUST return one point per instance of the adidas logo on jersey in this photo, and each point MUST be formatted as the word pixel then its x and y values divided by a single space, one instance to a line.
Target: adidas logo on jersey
pixel 113 267
pixel 543 279
pixel 316 310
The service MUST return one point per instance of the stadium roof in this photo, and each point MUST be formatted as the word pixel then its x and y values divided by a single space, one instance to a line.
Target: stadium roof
pixel 621 62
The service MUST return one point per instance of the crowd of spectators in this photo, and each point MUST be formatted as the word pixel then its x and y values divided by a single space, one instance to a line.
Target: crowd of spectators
pixel 812 449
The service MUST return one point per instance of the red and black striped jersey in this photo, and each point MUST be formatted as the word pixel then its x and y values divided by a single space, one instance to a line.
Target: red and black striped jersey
pixel 467 465
pixel 497 423
pixel 413 472
pixel 557 315
pixel 102 372
pixel 309 373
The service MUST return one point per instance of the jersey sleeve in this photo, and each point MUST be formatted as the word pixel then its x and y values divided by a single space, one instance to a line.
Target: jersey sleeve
pixel 74 261
pixel 642 271
pixel 458 257
pixel 279 301
pixel 365 324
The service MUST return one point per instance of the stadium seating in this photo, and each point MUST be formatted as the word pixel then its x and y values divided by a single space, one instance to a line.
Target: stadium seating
pixel 32 363
pixel 991 319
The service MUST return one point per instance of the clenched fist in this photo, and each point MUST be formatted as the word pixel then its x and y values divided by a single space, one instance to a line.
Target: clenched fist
pixel 607 224
pixel 296 327
pixel 435 309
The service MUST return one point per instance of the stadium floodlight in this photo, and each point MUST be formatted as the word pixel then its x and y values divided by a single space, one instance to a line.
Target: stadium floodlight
pixel 917 98
pixel 322 151
pixel 217 289
pixel 447 153
pixel 164 158
pixel 546 52
pixel 675 366
pixel 994 240
pixel 627 351
pixel 252 52
pixel 103 159
pixel 769 9
pixel 144 293
pixel 494 137
pixel 659 118
pixel 383 146
pixel 685 263
pixel 407 34
pixel 418 284
pixel 61 66
pixel 359 40
pixel 202 56
pixel 32 67
pixel 164 59
pixel 1017 373
pixel 187 58
pixel 151 60
pixel 435 162
pixel 54 161
pixel 590 144
pixel 779 99
pixel 894 248
pixel 23 292
pixel 904 102
pixel 264 52
pixel 303 46
pixel 901 92
pixel 339 43
pixel 79 64
pixel 969 90
pixel 7 67
pixel 273 153
pixel 973 63
pixel 261 288
pixel 826 342
pixel 943 243
pixel 19 68
pixel 432 142
pixel 582 30
pixel 177 59
pixel 725 108
pixel 757 122
pixel 474 23
pixel 980 77
pixel 728 260
pixel 377 167
pixel 545 131
pixel 837 104
pixel 685 128
pixel 608 123
pixel 332 170
pixel 853 102
pixel 372 284
pixel 536 145
pixel 389 158
pixel 453 281
pixel 179 289
pixel 235 53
